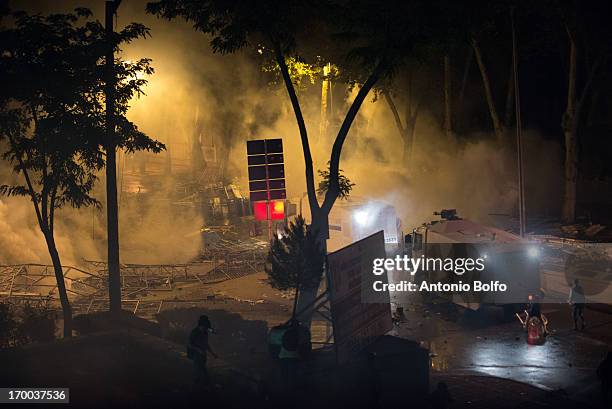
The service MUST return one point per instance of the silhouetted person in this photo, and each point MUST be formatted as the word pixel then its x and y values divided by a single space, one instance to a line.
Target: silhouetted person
pixel 534 309
pixel 289 355
pixel 577 300
pixel 398 316
pixel 604 373
pixel 197 350
pixel 441 397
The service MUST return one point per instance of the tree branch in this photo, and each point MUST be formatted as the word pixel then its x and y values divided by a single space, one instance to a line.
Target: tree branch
pixel 497 126
pixel 28 182
pixel 52 201
pixel 571 88
pixel 334 167
pixel 310 185
pixel 396 117
pixel 44 194
pixel 466 73
pixel 587 86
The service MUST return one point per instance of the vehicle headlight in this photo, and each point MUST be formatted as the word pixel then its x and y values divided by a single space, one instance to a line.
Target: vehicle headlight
pixel 361 217
pixel 533 252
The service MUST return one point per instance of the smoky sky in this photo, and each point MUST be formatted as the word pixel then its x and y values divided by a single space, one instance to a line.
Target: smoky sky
pixel 226 100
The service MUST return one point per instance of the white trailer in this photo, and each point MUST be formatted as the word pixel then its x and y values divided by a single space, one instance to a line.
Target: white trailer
pixel 354 219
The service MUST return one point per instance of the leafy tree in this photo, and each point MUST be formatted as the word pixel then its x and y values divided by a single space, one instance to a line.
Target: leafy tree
pixel 301 72
pixel 367 39
pixel 52 115
pixel 345 183
pixel 294 260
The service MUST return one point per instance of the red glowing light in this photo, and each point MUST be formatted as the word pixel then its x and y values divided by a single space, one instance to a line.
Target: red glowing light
pixel 277 210
pixel 260 210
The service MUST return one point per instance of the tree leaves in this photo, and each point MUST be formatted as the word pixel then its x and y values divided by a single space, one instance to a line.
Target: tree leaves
pixel 295 259
pixel 344 184
pixel 52 105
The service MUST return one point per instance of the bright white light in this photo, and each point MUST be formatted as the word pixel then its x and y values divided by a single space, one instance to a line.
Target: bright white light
pixel 361 217
pixel 485 256
pixel 533 252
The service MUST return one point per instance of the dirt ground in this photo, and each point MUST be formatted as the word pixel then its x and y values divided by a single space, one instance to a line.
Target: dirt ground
pixel 151 370
pixel 131 368
pixel 119 369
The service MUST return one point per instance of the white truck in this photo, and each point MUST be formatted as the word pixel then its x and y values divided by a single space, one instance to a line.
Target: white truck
pixel 354 219
pixel 508 259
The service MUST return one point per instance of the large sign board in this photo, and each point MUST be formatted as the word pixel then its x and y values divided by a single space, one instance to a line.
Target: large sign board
pixel 266 170
pixel 356 323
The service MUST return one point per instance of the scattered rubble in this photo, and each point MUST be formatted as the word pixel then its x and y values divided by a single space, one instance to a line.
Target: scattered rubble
pixel 226 258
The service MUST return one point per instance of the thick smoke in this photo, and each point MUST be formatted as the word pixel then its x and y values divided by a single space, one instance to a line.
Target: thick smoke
pixel 470 173
pixel 224 101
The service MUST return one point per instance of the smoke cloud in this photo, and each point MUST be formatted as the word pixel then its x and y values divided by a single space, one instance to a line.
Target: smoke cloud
pixel 223 101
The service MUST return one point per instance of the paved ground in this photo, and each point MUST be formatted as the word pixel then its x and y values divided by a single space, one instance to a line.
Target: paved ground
pixel 485 392
pixel 483 344
pixel 468 350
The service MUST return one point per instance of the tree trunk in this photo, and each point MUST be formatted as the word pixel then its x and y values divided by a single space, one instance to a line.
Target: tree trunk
pixel 448 128
pixel 318 221
pixel 569 126
pixel 398 125
pixel 45 222
pixel 409 138
pixel 295 301
pixel 320 218
pixel 112 211
pixel 570 123
pixel 297 110
pixel 497 125
pixel 320 214
pixel 592 113
pixel 509 100
pixel 334 163
pixel 466 74
pixel 61 284
pixel 406 131
pixel 571 176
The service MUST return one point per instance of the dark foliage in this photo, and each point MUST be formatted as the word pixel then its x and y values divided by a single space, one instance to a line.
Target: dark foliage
pixel 294 260
pixel 37 324
pixel 8 325
pixel 53 117
pixel 344 184
pixel 34 322
pixel 52 104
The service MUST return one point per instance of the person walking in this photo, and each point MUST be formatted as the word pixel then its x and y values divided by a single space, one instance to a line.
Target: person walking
pixel 577 301
pixel 197 350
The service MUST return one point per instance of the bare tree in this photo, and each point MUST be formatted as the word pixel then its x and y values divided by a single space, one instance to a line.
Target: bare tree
pixel 570 123
pixel 407 126
pixel 448 114
pixel 498 126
